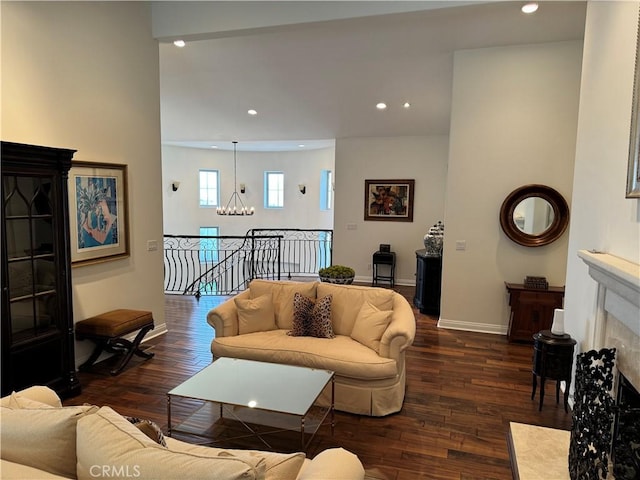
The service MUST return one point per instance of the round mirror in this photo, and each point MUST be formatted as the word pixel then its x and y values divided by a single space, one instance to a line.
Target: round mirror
pixel 534 215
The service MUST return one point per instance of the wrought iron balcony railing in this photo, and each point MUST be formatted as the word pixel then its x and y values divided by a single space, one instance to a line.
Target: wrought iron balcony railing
pixel 224 265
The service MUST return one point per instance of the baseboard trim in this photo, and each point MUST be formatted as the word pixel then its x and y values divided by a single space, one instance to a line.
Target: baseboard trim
pixel 405 282
pixel 472 326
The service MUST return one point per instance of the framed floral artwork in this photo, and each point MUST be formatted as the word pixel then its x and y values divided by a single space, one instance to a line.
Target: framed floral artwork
pixel 98 212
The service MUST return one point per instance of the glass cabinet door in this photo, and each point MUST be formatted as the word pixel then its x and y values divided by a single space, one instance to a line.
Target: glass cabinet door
pixel 30 255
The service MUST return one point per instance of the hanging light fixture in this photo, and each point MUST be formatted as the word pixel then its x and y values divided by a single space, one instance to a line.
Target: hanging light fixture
pixel 235 197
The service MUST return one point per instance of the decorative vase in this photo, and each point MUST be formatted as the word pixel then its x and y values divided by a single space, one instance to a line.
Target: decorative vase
pixel 434 240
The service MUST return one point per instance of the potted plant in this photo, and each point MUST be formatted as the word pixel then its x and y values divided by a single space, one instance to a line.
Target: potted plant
pixel 337 274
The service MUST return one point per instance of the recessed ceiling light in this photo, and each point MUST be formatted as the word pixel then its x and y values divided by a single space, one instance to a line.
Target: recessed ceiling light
pixel 214 146
pixel 252 112
pixel 179 43
pixel 301 145
pixel 381 106
pixel 530 7
pixel 406 105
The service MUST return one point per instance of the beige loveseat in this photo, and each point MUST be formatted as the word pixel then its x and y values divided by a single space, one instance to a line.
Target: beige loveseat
pixel 373 327
pixel 40 439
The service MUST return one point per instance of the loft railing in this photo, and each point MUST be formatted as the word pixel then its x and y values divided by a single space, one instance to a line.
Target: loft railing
pixel 304 251
pixel 224 265
pixel 217 265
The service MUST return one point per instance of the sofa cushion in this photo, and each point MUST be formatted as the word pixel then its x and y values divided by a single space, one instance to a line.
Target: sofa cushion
pixel 334 464
pixel 348 299
pixel 18 471
pixel 38 393
pixel 278 466
pixel 311 318
pixel 18 401
pixel 255 314
pixel 42 437
pixel 370 324
pixel 108 440
pixel 343 355
pixel 282 292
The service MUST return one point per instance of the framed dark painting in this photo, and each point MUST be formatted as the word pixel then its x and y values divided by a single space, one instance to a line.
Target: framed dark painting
pixel 389 200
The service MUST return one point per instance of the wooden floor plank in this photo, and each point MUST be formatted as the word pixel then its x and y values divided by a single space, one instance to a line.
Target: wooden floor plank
pixel 463 389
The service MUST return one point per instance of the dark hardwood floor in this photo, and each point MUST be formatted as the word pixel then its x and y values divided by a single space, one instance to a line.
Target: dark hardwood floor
pixel 463 389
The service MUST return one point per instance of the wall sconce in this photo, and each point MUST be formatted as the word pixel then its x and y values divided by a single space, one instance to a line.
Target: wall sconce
pixel 174 186
pixel 243 188
pixel 302 188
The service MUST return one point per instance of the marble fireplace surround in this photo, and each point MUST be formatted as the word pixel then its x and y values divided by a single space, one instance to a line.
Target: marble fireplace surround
pixel 539 453
pixel 616 320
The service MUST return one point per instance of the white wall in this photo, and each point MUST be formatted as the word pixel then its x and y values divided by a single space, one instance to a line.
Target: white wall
pixel 357 159
pixel 603 219
pixel 217 19
pixel 85 76
pixel 183 216
pixel 513 122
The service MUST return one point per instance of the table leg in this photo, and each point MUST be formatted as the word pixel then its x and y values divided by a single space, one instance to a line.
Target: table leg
pixel 333 409
pixel 542 379
pixel 535 386
pixel 302 445
pixel 168 415
pixel 566 395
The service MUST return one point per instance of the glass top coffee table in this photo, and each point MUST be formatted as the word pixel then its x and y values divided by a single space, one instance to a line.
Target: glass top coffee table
pixel 256 394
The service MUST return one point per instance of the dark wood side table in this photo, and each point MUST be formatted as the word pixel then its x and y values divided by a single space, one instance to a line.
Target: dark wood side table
pixel 384 258
pixel 553 360
pixel 531 310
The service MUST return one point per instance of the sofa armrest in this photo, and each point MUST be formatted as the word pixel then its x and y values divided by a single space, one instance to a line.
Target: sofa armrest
pixel 38 393
pixel 333 463
pixel 401 330
pixel 224 317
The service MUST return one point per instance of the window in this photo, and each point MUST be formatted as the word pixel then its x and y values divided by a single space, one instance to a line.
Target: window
pixel 273 189
pixel 209 188
pixel 326 190
pixel 209 246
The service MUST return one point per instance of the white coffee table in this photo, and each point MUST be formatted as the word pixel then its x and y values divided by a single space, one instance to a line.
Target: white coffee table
pixel 242 387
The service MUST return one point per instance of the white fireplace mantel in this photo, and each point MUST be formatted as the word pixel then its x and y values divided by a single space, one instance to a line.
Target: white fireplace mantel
pixel 615 273
pixel 617 315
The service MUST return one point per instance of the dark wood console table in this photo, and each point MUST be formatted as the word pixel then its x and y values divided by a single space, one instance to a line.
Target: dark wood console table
pixel 531 310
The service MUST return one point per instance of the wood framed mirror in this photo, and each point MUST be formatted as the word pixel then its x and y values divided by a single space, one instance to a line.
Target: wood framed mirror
pixel 534 215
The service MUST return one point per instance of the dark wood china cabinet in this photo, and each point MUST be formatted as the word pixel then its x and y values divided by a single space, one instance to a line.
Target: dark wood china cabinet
pixel 37 315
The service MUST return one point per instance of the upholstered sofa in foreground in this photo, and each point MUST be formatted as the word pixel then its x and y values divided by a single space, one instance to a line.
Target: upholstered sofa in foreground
pixel 372 326
pixel 40 439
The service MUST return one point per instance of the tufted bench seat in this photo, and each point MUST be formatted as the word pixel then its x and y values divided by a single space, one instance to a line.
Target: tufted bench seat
pixel 106 331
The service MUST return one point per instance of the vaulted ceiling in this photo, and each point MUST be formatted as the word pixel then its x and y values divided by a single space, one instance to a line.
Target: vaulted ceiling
pixel 313 82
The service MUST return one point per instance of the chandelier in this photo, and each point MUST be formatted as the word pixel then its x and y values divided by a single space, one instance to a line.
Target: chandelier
pixel 235 197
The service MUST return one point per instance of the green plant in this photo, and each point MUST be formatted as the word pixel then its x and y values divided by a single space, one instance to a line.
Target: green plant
pixel 337 271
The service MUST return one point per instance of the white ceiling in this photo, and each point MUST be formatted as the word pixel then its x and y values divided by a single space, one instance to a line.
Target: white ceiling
pixel 316 82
